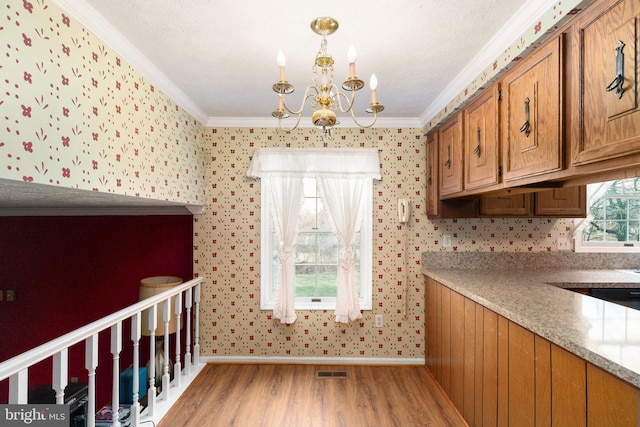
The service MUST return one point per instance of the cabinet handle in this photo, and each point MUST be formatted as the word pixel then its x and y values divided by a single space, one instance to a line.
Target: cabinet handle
pixel 477 149
pixel 526 127
pixel 618 81
pixel 429 180
pixel 448 162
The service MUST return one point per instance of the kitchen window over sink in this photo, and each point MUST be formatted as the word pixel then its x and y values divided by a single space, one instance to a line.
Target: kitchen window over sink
pixel 613 218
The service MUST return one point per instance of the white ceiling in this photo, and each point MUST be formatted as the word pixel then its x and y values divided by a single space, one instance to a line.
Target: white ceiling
pixel 217 58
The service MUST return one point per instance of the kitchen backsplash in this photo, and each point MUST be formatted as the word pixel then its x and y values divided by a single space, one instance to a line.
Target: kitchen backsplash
pixel 529 260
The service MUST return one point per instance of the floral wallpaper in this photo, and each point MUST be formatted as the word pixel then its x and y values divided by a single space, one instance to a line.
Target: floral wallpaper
pixel 227 250
pixel 74 114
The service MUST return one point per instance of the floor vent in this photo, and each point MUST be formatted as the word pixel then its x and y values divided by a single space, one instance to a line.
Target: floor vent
pixel 332 374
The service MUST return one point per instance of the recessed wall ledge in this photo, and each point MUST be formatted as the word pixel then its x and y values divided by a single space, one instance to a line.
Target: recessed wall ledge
pixel 565 260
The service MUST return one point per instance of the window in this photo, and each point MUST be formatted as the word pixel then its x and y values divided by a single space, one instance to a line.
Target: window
pixel 316 229
pixel 613 218
pixel 316 254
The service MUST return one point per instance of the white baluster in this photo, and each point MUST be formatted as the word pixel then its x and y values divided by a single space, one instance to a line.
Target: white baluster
pixel 187 357
pixel 116 348
pixel 91 363
pixel 177 367
pixel 151 393
pixel 196 348
pixel 60 374
pixel 166 378
pixel 135 337
pixel 19 387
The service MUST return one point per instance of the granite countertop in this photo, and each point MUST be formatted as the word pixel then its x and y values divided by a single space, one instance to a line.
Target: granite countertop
pixel 603 333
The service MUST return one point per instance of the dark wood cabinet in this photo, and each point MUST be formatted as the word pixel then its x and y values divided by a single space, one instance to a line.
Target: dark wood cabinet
pixel 532 114
pixel 481 141
pixel 450 156
pixel 605 115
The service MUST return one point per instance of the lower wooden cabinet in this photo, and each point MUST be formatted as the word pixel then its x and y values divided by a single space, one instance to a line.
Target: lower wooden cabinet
pixel 498 373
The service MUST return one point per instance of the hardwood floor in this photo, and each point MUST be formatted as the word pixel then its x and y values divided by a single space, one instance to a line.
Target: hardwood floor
pixel 291 395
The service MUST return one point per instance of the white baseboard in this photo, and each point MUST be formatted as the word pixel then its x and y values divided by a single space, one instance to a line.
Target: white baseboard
pixel 313 360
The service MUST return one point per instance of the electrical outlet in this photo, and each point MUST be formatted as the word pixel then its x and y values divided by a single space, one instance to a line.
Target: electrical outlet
pixel 564 244
pixel 1 296
pixel 11 295
pixel 379 321
pixel 446 240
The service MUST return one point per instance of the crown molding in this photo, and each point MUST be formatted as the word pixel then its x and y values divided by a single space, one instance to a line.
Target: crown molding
pixel 101 28
pixel 305 122
pixel 523 19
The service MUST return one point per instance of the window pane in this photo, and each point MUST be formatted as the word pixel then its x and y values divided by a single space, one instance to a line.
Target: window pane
pixel 594 232
pixel 634 231
pixel 616 208
pixel 327 249
pixel 316 280
pixel 634 209
pixel 616 231
pixel 307 219
pixel 306 249
pixel 597 209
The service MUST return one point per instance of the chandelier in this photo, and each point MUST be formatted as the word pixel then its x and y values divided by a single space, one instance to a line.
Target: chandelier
pixel 326 98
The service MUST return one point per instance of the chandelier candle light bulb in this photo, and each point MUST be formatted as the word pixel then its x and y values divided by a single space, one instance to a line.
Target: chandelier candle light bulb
pixel 282 61
pixel 373 84
pixel 351 56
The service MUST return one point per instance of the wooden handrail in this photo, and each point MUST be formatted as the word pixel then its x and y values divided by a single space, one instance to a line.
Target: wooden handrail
pixel 24 360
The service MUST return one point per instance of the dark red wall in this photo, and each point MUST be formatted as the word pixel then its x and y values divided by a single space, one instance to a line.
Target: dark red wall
pixel 70 271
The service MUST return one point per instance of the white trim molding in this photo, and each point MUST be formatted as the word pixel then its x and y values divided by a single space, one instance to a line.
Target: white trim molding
pixel 315 360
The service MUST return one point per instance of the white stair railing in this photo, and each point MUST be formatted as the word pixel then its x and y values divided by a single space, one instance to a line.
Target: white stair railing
pixel 16 369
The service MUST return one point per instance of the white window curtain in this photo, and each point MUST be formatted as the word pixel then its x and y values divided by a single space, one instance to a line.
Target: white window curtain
pixel 343 174
pixel 342 197
pixel 286 196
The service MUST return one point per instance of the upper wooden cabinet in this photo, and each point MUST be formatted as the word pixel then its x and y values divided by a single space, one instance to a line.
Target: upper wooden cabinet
pixel 432 174
pixel 606 111
pixel 532 114
pixel 481 141
pixel 450 156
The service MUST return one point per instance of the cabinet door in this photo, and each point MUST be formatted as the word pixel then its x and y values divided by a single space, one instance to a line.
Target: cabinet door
pixel 450 159
pixel 457 351
pixel 611 401
pixel 569 202
pixel 569 385
pixel 469 363
pixel 431 325
pixel 432 174
pixel 505 206
pixel 481 141
pixel 490 378
pixel 607 124
pixel 521 376
pixel 532 119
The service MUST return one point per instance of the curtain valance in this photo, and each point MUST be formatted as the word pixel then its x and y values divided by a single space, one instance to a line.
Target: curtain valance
pixel 310 162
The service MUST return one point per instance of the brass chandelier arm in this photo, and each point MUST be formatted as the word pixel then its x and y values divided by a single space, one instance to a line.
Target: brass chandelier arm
pixel 306 96
pixel 349 109
pixel 373 122
pixel 298 113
